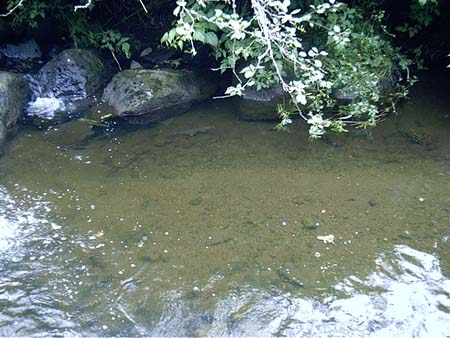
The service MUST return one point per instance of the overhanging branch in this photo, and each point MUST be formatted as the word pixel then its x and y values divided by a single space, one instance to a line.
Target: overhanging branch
pixel 86 5
pixel 12 9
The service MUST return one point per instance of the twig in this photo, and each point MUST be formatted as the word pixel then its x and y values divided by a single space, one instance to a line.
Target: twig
pixel 143 6
pixel 13 9
pixel 86 5
pixel 115 59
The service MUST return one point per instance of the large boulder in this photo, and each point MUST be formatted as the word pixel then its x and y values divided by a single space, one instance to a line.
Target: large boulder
pixel 258 105
pixel 76 73
pixel 155 93
pixel 67 84
pixel 14 94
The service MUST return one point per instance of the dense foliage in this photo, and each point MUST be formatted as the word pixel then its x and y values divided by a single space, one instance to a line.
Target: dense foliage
pixel 318 51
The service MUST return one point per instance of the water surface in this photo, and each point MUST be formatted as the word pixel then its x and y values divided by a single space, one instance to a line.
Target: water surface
pixel 207 225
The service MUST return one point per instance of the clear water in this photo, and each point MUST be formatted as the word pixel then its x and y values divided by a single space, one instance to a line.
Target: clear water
pixel 207 226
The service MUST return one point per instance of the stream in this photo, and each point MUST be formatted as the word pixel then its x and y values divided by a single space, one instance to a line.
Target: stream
pixel 206 225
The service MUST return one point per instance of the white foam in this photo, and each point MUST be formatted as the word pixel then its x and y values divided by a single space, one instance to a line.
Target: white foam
pixel 45 107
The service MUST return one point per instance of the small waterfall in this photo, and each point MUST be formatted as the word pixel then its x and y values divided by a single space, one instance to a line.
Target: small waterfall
pixel 45 105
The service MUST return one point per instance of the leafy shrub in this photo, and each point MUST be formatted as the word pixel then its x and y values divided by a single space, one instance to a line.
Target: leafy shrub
pixel 311 51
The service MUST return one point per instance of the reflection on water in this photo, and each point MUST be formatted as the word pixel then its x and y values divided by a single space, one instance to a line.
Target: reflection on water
pixel 53 283
pixel 407 296
pixel 210 226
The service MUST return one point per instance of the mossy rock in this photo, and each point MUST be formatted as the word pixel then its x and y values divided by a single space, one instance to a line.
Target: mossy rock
pixel 14 95
pixel 158 94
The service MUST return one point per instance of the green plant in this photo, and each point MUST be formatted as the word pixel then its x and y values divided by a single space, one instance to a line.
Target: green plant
pixel 311 51
pixel 28 13
pixel 421 14
pixel 115 42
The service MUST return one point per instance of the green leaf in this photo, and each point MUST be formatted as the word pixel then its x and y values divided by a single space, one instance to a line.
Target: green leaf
pixel 171 35
pixel 199 35
pixel 164 38
pixel 126 49
pixel 211 39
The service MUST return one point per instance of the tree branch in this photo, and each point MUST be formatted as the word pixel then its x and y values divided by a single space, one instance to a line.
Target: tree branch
pixel 143 6
pixel 86 5
pixel 12 9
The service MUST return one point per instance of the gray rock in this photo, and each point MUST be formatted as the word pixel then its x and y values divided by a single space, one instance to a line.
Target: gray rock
pixel 151 57
pixel 259 105
pixel 343 95
pixel 156 94
pixel 346 95
pixel 66 85
pixel 146 51
pixel 25 57
pixel 73 73
pixel 27 50
pixel 135 65
pixel 14 94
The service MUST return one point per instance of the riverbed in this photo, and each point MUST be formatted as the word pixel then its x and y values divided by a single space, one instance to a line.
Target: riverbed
pixel 206 225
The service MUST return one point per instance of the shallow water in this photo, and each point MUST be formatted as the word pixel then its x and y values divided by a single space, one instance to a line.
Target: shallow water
pixel 207 226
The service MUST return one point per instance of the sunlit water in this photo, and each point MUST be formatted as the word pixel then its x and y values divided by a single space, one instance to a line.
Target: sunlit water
pixel 207 226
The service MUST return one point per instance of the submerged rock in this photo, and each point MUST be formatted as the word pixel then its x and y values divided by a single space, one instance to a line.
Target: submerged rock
pixel 259 105
pixel 71 134
pixel 156 94
pixel 14 94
